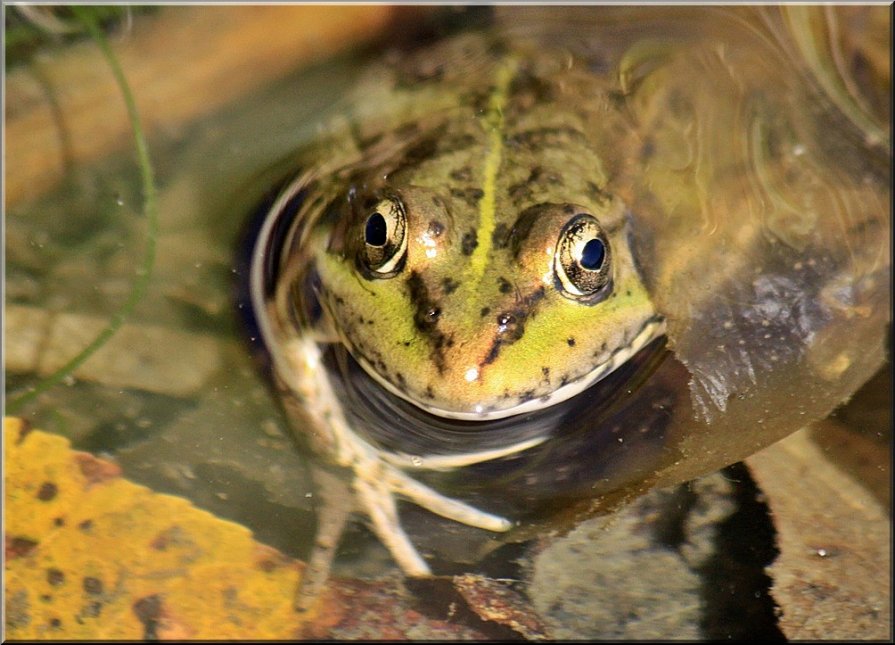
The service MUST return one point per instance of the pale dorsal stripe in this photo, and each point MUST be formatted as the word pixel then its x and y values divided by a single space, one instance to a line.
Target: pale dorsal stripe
pixel 493 122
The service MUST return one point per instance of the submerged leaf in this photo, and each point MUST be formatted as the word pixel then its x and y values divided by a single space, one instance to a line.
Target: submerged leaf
pixel 92 555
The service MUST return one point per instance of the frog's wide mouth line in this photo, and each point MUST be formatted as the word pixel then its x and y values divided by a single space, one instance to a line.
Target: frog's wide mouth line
pixel 650 330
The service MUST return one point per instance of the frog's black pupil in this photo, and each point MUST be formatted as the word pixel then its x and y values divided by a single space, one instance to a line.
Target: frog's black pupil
pixel 592 255
pixel 376 233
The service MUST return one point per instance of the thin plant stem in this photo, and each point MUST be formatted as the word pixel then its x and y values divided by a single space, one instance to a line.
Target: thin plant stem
pixel 150 212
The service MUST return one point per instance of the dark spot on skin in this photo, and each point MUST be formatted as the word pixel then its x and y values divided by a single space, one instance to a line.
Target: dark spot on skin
pixel 425 317
pixel 492 353
pixel 47 491
pixel 448 144
pixel 528 89
pixel 86 525
pixel 564 380
pixel 519 193
pixel 469 195
pixel 477 99
pixel 149 611
pixel 504 285
pixel 546 372
pixel 485 311
pixel 535 174
pixel 463 174
pixel 537 177
pixel 55 623
pixel 535 298
pixel 59 521
pixel 628 293
pixel 55 577
pixel 436 228
pixel 505 321
pixel 568 209
pixel 469 243
pixel 570 341
pixel 93 586
pixel 527 396
pixel 449 285
pixel 18 547
pixel 423 150
pixel 540 176
pixel 511 324
pixel 501 235
pixel 406 343
pixel 401 380
pixel 429 393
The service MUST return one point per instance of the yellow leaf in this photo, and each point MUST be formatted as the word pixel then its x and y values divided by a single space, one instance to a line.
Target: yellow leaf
pixel 92 555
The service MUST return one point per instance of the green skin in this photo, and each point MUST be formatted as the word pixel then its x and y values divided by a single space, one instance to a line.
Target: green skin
pixel 475 323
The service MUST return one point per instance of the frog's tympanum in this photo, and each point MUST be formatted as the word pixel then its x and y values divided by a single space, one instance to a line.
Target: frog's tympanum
pixel 550 264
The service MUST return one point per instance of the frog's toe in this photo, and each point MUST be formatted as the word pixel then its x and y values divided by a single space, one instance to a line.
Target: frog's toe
pixel 439 504
pixel 376 489
pixel 377 500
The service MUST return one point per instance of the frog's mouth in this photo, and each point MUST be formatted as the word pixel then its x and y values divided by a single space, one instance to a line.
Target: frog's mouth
pixel 486 411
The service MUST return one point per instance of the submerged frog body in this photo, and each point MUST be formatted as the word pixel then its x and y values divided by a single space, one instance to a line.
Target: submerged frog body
pixel 520 278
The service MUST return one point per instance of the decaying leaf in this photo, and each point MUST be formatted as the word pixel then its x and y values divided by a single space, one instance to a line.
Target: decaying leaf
pixel 832 579
pixel 92 555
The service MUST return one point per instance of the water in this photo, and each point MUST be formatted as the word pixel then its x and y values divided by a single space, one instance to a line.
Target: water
pixel 176 398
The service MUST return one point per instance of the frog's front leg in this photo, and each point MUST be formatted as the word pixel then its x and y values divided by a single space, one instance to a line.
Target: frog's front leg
pixel 376 476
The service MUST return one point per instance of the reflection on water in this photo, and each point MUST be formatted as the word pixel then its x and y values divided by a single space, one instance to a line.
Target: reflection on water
pixel 757 179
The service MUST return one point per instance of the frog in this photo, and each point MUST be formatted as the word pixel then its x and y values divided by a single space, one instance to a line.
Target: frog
pixel 481 271
pixel 497 239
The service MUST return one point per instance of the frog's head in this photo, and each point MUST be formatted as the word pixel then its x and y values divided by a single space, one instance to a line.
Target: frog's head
pixel 477 306
pixel 481 268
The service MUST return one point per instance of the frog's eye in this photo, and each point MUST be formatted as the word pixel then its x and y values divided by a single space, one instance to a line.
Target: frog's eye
pixel 385 237
pixel 582 261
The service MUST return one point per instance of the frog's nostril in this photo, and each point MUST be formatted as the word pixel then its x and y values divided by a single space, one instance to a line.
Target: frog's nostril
pixel 505 321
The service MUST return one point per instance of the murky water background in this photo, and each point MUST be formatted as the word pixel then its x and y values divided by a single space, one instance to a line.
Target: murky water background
pixel 175 398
